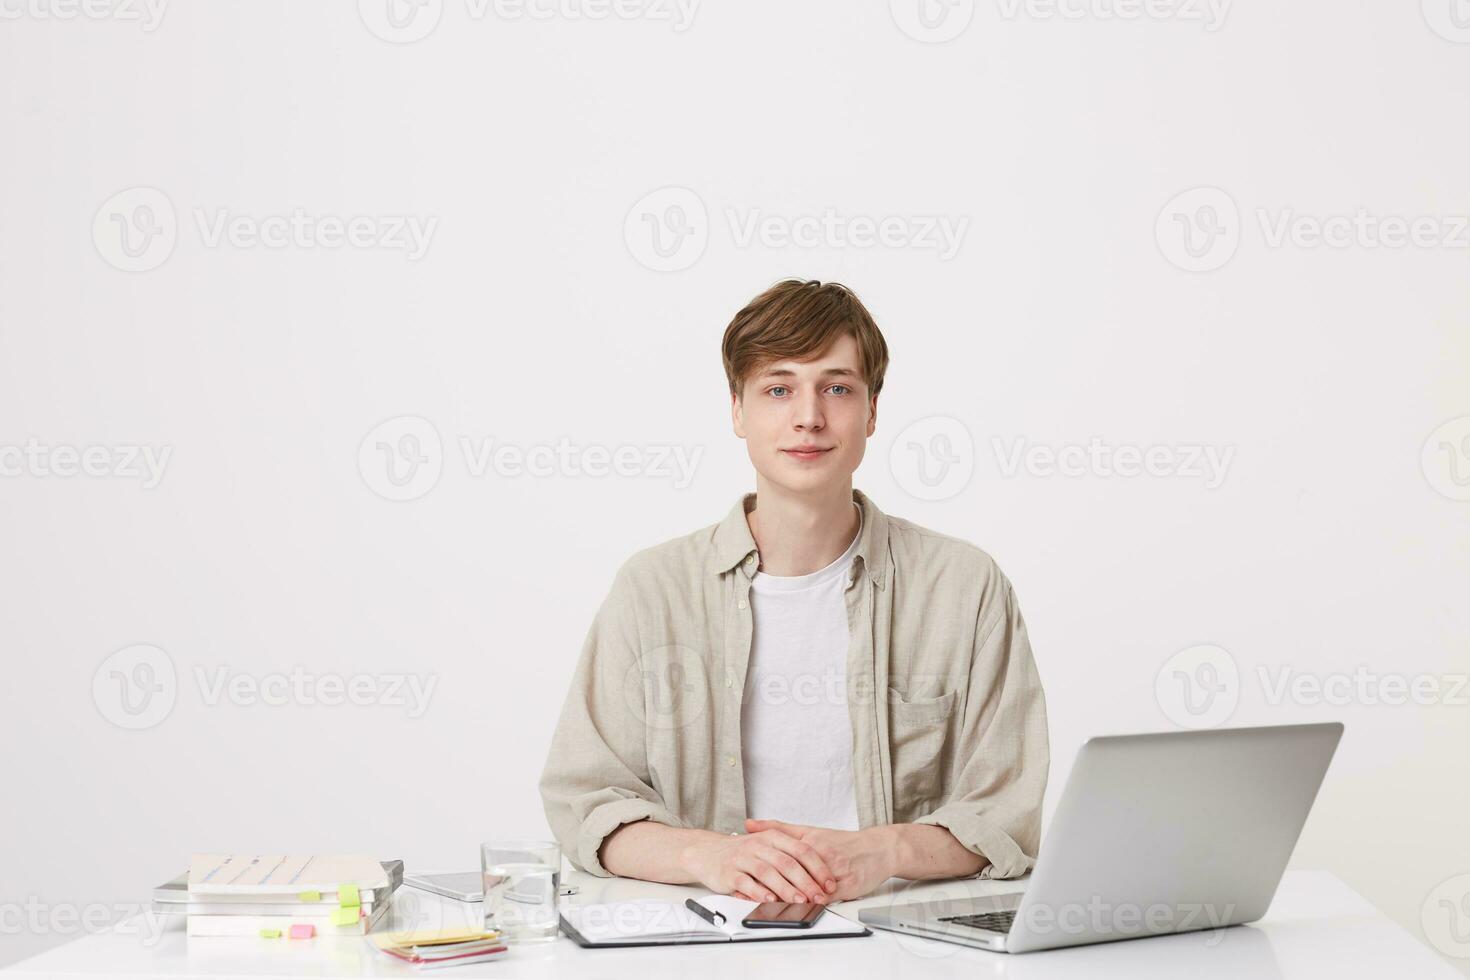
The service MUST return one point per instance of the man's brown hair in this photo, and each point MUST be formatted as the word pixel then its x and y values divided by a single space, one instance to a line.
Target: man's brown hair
pixel 797 319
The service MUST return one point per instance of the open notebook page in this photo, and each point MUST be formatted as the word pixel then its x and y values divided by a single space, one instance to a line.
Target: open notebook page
pixel 649 920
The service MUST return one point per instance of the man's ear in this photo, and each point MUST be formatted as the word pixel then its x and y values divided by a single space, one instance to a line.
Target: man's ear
pixel 872 414
pixel 737 413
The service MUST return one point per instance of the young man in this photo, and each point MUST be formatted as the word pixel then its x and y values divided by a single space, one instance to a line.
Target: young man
pixel 809 697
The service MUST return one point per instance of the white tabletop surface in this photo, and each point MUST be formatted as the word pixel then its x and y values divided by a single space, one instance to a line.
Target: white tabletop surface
pixel 1317 927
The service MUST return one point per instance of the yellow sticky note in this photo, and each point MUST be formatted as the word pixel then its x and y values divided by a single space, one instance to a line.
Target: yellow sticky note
pixel 347 896
pixel 346 917
pixel 270 934
pixel 310 896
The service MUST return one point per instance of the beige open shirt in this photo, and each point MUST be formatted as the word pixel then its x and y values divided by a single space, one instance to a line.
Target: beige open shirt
pixel 650 729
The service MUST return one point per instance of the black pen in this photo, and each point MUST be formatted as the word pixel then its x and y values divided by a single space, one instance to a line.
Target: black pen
pixel 705 913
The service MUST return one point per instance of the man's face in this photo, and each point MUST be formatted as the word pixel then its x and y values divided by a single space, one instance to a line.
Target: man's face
pixel 807 423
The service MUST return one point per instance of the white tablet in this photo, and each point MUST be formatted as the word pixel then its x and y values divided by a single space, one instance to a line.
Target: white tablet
pixel 463 886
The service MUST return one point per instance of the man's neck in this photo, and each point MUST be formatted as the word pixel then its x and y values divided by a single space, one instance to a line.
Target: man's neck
pixel 797 534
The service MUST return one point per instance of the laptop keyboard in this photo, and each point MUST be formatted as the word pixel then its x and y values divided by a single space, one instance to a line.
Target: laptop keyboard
pixel 991 921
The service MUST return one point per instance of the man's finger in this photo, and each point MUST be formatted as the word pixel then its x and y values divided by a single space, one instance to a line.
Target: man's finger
pixel 792 870
pixel 766 873
pixel 823 878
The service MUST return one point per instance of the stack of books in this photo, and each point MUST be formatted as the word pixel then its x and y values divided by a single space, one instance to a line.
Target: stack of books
pixel 430 949
pixel 278 896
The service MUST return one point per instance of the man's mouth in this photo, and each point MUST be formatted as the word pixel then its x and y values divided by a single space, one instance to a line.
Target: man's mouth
pixel 807 452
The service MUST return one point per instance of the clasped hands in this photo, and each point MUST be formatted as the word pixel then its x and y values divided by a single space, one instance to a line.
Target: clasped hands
pixel 782 862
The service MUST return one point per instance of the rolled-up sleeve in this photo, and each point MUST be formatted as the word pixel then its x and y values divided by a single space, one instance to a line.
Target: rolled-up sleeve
pixel 993 806
pixel 596 777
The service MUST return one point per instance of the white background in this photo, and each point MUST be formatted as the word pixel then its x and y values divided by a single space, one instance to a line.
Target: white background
pixel 1334 542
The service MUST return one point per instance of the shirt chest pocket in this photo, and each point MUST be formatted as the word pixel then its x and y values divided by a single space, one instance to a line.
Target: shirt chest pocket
pixel 918 735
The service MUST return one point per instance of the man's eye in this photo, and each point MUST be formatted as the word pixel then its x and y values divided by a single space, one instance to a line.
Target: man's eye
pixel 778 390
pixel 839 389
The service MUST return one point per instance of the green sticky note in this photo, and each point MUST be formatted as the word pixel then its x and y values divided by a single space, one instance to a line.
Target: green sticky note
pixel 270 934
pixel 346 917
pixel 310 896
pixel 347 896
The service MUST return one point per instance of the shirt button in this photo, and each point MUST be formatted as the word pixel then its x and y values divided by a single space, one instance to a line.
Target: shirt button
pixel 742 603
pixel 730 759
pixel 729 682
pixel 750 560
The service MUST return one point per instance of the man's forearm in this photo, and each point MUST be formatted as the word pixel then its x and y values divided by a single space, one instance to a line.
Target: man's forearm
pixel 919 851
pixel 651 851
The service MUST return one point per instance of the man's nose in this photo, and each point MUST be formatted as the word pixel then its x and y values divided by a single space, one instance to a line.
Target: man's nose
pixel 808 414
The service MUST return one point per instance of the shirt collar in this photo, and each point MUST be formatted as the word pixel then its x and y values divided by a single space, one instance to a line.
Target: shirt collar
pixel 733 542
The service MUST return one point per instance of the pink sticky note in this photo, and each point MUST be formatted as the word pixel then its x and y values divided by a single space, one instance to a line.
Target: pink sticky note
pixel 303 930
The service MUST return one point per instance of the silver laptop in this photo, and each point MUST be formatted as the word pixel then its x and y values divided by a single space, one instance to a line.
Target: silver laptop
pixel 1154 834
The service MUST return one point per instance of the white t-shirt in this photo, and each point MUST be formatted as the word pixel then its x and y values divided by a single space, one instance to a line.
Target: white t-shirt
pixel 795 732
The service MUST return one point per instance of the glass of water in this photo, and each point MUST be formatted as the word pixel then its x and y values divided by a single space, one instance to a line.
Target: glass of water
pixel 521 881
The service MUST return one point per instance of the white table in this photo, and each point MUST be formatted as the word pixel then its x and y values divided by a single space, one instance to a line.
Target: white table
pixel 1317 927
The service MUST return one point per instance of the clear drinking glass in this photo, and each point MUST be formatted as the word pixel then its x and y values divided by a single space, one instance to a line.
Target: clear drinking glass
pixel 521 881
